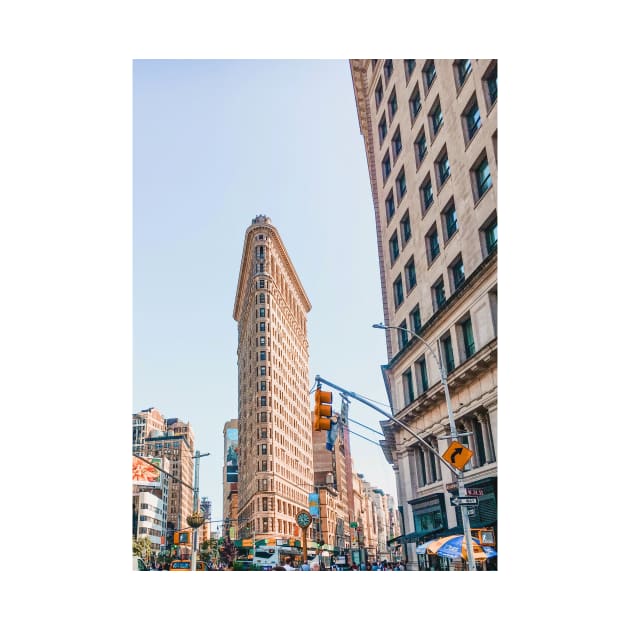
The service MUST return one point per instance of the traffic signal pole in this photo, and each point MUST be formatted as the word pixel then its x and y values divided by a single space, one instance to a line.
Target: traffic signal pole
pixel 458 473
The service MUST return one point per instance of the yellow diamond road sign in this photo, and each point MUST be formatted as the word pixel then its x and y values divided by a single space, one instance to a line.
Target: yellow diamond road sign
pixel 457 455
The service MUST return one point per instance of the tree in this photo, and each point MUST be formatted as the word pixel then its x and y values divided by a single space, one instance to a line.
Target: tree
pixel 142 547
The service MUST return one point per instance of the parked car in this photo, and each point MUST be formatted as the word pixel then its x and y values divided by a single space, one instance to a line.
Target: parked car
pixel 139 565
pixel 184 565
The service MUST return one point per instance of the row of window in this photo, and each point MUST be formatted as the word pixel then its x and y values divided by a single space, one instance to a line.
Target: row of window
pixel 415 380
pixel 480 177
pixel 456 274
pixel 462 70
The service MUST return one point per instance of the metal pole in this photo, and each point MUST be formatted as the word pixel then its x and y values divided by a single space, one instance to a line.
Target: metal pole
pixel 461 488
pixel 193 558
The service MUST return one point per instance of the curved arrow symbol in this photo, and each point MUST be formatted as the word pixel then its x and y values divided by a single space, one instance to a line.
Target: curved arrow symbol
pixel 456 452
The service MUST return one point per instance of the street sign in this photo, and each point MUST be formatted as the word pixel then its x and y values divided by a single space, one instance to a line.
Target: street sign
pixel 474 492
pixel 457 455
pixel 464 501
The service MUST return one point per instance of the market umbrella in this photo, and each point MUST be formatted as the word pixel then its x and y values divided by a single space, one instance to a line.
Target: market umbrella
pixel 454 547
pixel 424 547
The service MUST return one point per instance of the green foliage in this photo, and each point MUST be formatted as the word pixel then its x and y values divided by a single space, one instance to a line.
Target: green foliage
pixel 142 547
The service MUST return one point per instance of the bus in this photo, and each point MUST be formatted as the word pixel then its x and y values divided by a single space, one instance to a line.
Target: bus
pixel 266 556
pixel 271 556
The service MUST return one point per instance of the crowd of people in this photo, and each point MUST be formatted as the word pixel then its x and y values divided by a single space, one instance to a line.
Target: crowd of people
pixel 383 565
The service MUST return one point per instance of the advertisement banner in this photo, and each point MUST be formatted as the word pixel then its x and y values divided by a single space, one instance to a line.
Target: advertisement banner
pixel 144 474
pixel 313 504
pixel 231 455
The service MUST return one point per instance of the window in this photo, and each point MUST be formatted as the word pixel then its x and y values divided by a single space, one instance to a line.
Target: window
pixel 426 194
pixel 405 229
pixel 410 274
pixel 261 326
pixel 463 70
pixel 263 451
pixel 492 89
pixel 457 273
pixel 443 168
pixel 415 104
pixel 450 220
pixel 447 353
pixel 410 64
pixel 433 244
pixel 414 318
pixel 401 185
pixel 473 119
pixel 467 336
pixel 420 147
pixel 392 105
pixel 398 292
pixel 263 341
pixel 483 180
pixel 423 377
pixel 261 284
pixel 388 68
pixel 396 144
pixel 439 296
pixel 387 167
pixel 490 234
pixel 408 387
pixel 390 207
pixel 429 74
pixel 393 248
pixel 263 355
pixel 261 312
pixel 263 370
pixel 436 118
pixel 403 335
pixel 263 401
pixel 378 94
pixel 382 129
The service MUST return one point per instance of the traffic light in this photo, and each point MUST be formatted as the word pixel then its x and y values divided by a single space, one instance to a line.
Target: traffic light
pixel 181 538
pixel 323 410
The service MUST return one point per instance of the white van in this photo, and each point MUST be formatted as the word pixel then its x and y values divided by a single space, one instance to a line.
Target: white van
pixel 138 564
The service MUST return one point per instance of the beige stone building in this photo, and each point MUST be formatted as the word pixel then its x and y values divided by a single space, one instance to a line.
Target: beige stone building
pixel 430 133
pixel 275 444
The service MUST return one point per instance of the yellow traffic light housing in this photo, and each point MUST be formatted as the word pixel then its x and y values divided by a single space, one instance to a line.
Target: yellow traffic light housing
pixel 181 538
pixel 323 410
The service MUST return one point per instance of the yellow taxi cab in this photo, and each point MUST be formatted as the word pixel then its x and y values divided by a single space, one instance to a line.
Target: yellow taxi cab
pixel 184 565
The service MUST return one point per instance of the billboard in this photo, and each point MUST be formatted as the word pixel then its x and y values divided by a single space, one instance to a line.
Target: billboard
pixel 144 474
pixel 231 455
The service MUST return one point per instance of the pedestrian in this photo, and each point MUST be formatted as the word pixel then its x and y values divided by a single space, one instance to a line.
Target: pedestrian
pixel 278 567
pixel 354 567
pixel 288 565
pixel 305 566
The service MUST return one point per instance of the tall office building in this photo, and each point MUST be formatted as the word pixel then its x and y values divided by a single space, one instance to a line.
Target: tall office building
pixel 430 133
pixel 275 445
pixel 172 440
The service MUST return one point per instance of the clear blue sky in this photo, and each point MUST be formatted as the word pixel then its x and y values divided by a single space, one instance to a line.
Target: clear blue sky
pixel 216 143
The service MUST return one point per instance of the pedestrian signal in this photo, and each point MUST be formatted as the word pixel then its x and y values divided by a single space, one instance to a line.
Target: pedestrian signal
pixel 323 410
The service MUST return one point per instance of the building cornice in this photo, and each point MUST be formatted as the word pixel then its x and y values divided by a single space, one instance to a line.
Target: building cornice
pixel 358 69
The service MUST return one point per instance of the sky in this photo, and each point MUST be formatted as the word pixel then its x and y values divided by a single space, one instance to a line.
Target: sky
pixel 215 143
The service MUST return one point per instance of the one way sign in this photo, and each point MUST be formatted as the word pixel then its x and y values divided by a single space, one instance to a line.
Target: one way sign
pixel 457 455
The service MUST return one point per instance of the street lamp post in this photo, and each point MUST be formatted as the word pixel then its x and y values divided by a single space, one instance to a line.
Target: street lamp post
pixel 451 420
